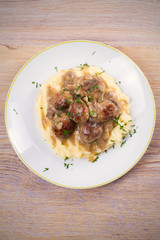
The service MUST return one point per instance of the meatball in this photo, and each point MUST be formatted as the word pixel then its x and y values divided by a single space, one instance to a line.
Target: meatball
pixel 89 132
pixel 61 100
pixel 50 110
pixel 112 97
pixel 69 80
pixel 93 88
pixel 62 126
pixel 105 110
pixel 78 111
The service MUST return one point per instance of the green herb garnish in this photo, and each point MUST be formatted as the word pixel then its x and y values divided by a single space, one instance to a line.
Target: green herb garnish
pixel 92 113
pixel 58 115
pixel 56 69
pixel 123 143
pixel 78 88
pixel 79 101
pixel 63 90
pixel 86 65
pixel 67 101
pixel 97 153
pixel 45 169
pixel 105 151
pixel 95 143
pixel 66 165
pixel 65 132
pixel 15 111
pixel 66 158
pixel 134 130
pixel 93 52
pixel 41 107
pixel 95 159
pixel 90 98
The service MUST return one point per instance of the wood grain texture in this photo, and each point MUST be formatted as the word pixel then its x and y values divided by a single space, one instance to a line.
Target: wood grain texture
pixel 31 208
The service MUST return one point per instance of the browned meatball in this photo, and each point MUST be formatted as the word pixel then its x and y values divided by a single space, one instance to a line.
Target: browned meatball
pixel 61 100
pixel 78 111
pixel 93 88
pixel 105 110
pixel 112 97
pixel 89 132
pixel 69 80
pixel 62 126
pixel 50 110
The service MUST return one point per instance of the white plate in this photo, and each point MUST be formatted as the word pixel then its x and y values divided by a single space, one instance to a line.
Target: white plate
pixel 27 140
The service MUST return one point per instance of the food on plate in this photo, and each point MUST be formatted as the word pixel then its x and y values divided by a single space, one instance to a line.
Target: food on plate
pixel 82 112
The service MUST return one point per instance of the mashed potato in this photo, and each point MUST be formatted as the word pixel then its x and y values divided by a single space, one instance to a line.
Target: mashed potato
pixel 74 149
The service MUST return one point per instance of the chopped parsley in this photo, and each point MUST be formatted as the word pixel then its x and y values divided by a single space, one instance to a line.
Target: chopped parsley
pixel 83 65
pixel 83 96
pixel 123 143
pixel 65 132
pixel 105 151
pixel 97 153
pixel 67 101
pixel 95 159
pixel 58 115
pixel 66 165
pixel 93 52
pixel 119 82
pixel 79 101
pixel 90 98
pixel 100 91
pixel 134 130
pixel 99 73
pixel 78 88
pixel 92 113
pixel 63 90
pixel 56 69
pixel 15 111
pixel 66 158
pixel 95 143
pixel 45 169
pixel 82 113
pixel 36 84
pixel 112 141
pixel 86 65
pixel 130 120
pixel 60 107
pixel 93 87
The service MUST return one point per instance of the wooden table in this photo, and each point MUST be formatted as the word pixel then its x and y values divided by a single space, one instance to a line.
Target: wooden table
pixel 32 208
